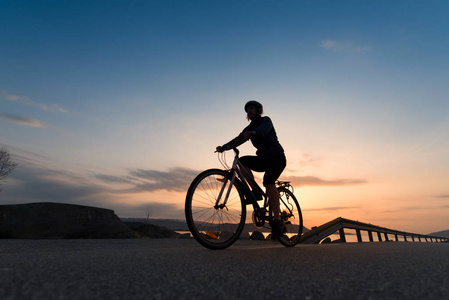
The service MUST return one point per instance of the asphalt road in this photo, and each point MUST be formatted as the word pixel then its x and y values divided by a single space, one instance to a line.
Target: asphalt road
pixel 182 269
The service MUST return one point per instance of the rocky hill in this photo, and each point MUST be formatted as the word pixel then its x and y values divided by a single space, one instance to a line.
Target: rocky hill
pixel 47 220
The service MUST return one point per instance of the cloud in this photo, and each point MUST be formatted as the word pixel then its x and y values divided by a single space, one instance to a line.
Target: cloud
pixel 21 120
pixel 338 46
pixel 34 184
pixel 29 184
pixel 177 179
pixel 327 44
pixel 309 160
pixel 407 208
pixel 316 181
pixel 25 100
pixel 332 208
pixel 443 196
pixel 113 179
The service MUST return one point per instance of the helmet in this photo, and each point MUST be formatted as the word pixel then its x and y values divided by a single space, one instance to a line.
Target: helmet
pixel 254 103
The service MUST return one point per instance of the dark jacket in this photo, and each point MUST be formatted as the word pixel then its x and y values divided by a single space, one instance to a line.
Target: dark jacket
pixel 265 140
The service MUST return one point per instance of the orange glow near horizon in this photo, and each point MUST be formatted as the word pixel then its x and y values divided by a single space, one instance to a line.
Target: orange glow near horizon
pixel 318 204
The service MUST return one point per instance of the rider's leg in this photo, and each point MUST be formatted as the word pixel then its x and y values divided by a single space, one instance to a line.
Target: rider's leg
pixel 251 163
pixel 249 176
pixel 275 167
pixel 273 198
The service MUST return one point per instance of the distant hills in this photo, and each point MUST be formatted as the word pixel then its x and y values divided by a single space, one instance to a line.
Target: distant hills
pixel 173 224
pixel 181 225
pixel 444 233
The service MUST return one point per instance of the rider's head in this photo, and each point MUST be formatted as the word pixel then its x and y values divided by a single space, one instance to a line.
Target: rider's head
pixel 257 106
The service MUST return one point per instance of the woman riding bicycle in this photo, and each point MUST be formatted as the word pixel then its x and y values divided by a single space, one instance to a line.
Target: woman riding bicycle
pixel 270 157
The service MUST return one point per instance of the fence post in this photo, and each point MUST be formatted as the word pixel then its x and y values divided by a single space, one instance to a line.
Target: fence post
pixel 379 236
pixel 342 235
pixel 370 234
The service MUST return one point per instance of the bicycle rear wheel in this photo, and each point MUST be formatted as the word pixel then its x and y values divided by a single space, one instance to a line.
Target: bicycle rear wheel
pixel 291 216
pixel 215 225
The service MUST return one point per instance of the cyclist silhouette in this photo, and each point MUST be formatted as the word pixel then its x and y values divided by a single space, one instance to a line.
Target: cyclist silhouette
pixel 270 158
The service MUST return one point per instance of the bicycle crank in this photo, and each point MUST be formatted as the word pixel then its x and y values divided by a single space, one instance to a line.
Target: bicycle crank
pixel 258 220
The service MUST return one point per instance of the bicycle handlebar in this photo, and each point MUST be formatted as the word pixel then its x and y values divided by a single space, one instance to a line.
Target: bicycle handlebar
pixel 237 152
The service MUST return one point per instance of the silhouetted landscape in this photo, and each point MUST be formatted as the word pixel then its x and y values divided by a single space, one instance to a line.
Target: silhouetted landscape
pixel 444 233
pixel 181 225
pixel 56 220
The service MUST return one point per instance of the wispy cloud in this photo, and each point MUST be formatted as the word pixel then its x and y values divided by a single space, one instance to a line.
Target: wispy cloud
pixel 309 160
pixel 316 181
pixel 25 100
pixel 174 180
pixel 113 179
pixel 332 208
pixel 31 183
pixel 177 179
pixel 443 196
pixel 34 184
pixel 339 46
pixel 407 208
pixel 21 120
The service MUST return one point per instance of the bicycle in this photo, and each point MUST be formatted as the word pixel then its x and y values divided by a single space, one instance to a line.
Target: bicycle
pixel 216 201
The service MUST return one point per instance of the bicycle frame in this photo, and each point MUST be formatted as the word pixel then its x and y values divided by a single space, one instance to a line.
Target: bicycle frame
pixel 239 169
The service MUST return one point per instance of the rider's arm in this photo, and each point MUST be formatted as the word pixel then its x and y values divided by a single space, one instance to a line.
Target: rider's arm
pixel 233 143
pixel 264 127
pixel 245 135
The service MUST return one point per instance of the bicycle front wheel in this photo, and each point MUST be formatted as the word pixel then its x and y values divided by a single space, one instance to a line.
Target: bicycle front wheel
pixel 214 223
pixel 291 216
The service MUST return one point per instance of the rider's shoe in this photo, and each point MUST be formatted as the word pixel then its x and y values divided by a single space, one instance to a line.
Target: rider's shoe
pixel 277 229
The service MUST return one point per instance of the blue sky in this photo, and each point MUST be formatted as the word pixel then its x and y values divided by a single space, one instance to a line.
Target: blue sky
pixel 119 104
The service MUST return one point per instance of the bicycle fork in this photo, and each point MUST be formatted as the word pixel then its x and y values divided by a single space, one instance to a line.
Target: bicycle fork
pixel 225 183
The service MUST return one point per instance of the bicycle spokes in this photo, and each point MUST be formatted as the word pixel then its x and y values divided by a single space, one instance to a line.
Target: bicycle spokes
pixel 215 211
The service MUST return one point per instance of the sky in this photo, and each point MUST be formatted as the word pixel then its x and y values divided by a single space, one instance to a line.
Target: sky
pixel 120 104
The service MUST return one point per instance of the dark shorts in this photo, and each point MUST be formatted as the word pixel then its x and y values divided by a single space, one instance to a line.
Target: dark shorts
pixel 272 166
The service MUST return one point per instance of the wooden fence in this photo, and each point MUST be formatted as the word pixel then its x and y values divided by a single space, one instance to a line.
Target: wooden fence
pixel 317 234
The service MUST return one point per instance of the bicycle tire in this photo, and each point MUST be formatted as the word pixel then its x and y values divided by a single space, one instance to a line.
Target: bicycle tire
pixel 214 227
pixel 291 216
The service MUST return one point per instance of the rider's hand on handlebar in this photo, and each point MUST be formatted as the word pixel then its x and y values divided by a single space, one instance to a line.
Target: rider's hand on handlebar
pixel 220 149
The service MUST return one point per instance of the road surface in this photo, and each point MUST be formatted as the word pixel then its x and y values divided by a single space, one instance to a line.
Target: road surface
pixel 182 269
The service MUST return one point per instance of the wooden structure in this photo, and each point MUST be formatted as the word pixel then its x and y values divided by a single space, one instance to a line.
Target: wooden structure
pixel 317 234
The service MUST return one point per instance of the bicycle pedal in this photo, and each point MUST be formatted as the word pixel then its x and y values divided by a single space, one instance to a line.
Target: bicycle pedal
pixel 211 235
